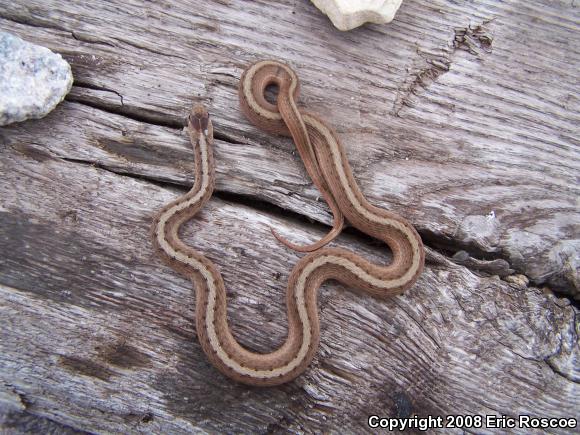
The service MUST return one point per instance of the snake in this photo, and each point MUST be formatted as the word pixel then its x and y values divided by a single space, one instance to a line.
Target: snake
pixel 325 159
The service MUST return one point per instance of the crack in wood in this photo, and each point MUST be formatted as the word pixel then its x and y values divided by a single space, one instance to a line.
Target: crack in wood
pixel 90 39
pixel 474 39
pixel 32 21
pixel 128 111
pixel 26 422
pixel 480 260
pixel 137 113
pixel 87 85
pixel 493 131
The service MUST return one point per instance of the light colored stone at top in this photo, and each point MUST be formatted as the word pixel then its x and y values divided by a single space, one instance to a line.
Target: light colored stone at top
pixel 33 79
pixel 348 14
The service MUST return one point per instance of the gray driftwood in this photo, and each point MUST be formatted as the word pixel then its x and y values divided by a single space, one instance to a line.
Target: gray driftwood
pixel 462 116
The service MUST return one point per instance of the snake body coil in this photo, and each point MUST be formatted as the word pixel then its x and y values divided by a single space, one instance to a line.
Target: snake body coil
pixel 326 163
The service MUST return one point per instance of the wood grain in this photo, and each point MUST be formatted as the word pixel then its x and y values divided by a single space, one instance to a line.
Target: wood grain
pixel 469 115
pixel 468 111
pixel 99 335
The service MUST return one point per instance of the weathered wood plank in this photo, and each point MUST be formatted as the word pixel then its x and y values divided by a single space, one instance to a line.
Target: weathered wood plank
pixel 462 116
pixel 98 335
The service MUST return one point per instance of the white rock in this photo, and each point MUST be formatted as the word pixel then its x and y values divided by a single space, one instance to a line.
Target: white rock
pixel 348 14
pixel 33 79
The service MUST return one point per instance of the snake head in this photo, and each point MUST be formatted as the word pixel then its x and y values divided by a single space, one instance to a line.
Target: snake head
pixel 199 122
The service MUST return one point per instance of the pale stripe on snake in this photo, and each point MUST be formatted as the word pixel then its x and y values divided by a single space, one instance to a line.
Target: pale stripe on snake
pixel 325 158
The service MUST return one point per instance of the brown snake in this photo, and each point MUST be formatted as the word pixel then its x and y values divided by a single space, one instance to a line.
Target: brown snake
pixel 326 162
